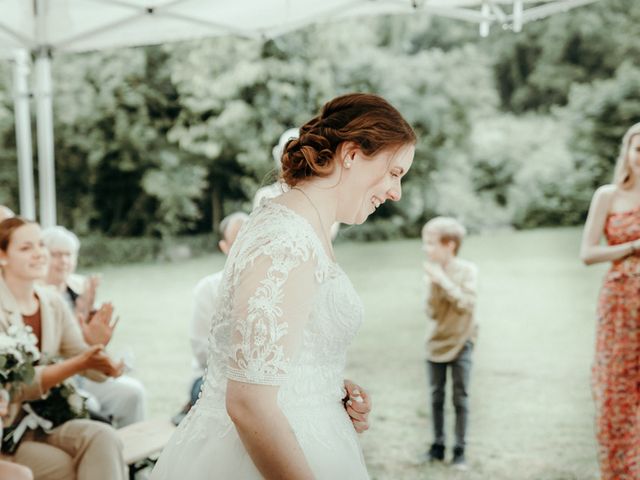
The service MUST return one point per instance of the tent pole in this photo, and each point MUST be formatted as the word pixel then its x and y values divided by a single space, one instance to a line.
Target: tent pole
pixel 46 167
pixel 23 134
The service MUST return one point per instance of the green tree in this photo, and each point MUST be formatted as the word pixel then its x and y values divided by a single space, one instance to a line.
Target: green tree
pixel 599 115
pixel 536 68
pixel 113 112
pixel 8 156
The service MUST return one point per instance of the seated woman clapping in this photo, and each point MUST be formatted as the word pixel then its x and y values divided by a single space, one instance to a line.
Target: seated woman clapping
pixel 122 399
pixel 77 449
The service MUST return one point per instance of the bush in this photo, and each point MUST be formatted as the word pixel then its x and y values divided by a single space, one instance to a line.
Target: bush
pixel 371 231
pixel 100 250
pixel 599 115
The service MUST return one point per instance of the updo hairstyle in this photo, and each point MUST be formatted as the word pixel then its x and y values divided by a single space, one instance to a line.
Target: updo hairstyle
pixel 367 120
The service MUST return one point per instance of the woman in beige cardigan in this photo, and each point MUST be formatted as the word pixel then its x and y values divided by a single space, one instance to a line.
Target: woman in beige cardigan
pixel 77 449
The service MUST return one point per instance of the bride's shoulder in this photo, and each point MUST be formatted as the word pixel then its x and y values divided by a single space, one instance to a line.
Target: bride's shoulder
pixel 273 224
pixel 275 230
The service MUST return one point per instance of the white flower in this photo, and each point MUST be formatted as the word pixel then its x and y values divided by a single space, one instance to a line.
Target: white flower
pixel 7 342
pixel 76 402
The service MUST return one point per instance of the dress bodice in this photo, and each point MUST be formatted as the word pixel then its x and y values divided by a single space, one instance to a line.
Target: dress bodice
pixel 622 227
pixel 273 326
pixel 285 315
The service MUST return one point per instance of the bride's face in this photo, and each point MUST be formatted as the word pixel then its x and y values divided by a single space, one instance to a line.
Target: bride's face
pixel 368 182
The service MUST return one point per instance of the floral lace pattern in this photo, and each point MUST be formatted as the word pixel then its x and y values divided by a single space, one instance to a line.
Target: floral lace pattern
pixel 261 341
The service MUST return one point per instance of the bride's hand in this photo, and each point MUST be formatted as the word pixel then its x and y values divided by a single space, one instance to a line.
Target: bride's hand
pixel 358 405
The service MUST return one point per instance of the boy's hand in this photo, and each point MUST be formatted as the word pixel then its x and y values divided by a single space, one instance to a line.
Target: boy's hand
pixel 435 272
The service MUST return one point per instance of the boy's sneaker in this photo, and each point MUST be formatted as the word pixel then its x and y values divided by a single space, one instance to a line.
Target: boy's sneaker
pixel 458 462
pixel 436 453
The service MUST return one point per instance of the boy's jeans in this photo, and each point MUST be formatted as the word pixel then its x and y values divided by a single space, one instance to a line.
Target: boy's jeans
pixel 460 373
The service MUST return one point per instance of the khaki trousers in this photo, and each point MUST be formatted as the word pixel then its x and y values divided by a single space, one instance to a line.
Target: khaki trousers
pixel 76 450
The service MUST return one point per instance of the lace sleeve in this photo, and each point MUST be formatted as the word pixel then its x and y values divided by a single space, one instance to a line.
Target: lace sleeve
pixel 271 304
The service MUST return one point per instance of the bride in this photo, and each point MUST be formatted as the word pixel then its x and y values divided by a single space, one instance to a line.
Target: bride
pixel 271 404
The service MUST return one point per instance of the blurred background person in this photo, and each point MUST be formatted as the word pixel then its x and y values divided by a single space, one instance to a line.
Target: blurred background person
pixel 278 187
pixel 76 449
pixel 452 285
pixel 204 305
pixel 122 399
pixel 615 215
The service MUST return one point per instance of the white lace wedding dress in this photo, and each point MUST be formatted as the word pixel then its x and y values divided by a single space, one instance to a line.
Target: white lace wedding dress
pixel 285 316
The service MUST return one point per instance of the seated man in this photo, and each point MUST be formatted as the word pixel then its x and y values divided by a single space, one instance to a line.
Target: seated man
pixel 205 295
pixel 120 399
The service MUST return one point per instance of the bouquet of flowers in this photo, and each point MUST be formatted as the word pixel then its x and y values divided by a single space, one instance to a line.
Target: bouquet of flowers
pixel 18 354
pixel 61 404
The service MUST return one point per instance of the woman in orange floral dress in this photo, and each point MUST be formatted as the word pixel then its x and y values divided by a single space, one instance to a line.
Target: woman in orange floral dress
pixel 615 213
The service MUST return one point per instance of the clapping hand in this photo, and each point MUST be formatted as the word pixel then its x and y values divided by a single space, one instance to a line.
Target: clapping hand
pixel 94 358
pixel 85 301
pixel 98 328
pixel 358 405
pixel 435 272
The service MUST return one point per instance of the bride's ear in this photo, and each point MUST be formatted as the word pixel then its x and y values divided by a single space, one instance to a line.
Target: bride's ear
pixel 347 153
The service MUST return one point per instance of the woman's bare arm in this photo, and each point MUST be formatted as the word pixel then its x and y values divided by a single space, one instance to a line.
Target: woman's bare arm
pixel 265 431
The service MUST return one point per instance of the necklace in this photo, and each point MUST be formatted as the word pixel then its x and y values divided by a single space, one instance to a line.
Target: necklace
pixel 324 231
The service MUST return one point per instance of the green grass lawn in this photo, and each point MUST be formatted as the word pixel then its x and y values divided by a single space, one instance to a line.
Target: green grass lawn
pixel 531 407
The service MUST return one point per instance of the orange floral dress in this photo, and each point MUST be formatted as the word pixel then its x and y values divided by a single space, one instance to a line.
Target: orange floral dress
pixel 616 369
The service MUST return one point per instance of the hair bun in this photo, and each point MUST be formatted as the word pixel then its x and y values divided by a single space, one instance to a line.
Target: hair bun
pixel 367 120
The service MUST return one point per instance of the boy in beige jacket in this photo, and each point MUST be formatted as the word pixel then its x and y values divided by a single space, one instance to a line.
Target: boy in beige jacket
pixel 451 286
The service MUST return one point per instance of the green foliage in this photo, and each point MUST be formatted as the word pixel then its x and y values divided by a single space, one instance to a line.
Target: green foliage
pixel 599 115
pixel 100 250
pixel 176 186
pixel 112 116
pixel 384 229
pixel 164 141
pixel 8 155
pixel 536 68
pixel 237 97
pixel 523 171
pixel 441 95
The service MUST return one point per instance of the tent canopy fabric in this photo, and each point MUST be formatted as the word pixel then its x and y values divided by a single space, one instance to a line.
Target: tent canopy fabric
pixel 82 25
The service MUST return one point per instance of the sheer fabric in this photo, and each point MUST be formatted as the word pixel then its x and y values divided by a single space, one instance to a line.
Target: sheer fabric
pixel 285 316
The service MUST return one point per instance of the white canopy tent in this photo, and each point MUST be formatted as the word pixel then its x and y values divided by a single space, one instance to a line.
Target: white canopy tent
pixel 44 27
